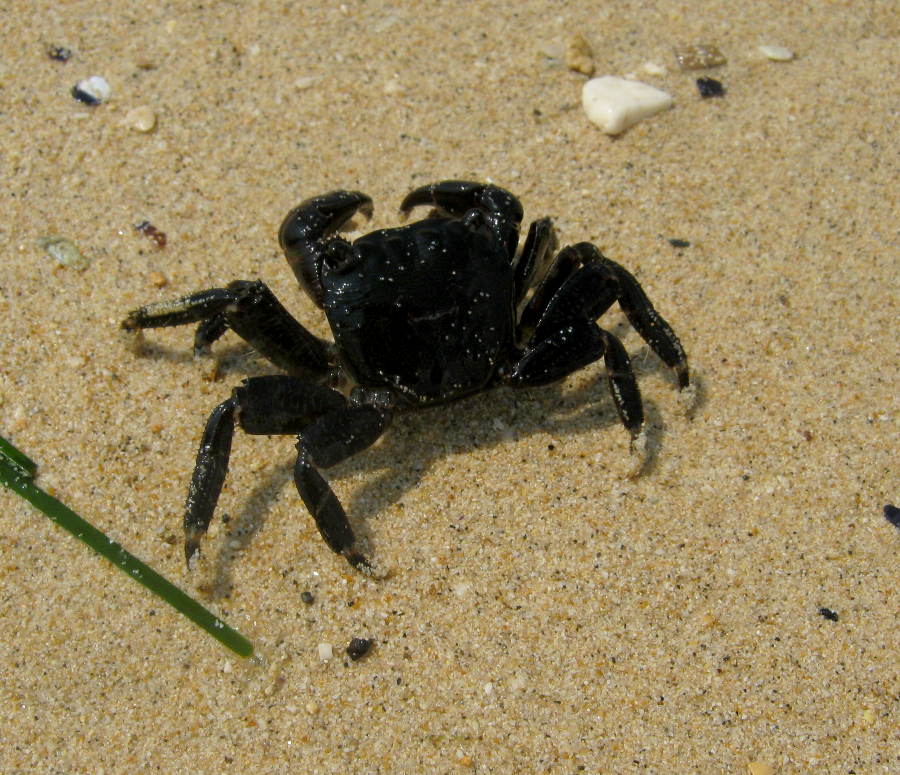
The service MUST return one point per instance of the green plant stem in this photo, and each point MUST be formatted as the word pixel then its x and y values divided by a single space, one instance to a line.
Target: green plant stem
pixel 16 470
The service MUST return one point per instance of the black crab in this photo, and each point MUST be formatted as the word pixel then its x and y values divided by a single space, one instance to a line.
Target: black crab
pixel 421 314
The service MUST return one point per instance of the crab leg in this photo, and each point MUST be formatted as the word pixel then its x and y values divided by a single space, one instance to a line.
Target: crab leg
pixel 251 310
pixel 640 312
pixel 329 440
pixel 208 477
pixel 275 404
pixel 330 430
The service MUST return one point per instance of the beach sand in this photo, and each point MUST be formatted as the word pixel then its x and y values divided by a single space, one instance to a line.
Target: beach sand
pixel 542 611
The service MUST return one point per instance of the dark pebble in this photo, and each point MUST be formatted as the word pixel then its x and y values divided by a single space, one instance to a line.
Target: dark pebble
pixel 359 647
pixel 710 87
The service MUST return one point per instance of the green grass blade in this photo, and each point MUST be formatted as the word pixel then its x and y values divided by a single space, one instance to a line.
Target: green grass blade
pixel 16 470
pixel 18 458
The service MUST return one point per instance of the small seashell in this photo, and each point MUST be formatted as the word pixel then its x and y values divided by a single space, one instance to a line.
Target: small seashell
pixel 92 91
pixel 142 119
pixel 699 56
pixel 777 53
pixel 615 104
pixel 760 768
pixel 64 251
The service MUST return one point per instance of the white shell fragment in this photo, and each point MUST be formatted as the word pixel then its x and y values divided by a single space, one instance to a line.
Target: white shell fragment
pixel 141 119
pixel 93 90
pixel 777 53
pixel 614 104
pixel 654 68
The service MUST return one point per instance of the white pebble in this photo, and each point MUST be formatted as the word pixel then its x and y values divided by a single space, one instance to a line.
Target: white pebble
pixel 325 651
pixel 393 88
pixel 96 88
pixel 654 68
pixel 615 104
pixel 777 53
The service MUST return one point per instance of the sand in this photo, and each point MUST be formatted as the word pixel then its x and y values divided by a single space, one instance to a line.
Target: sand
pixel 542 612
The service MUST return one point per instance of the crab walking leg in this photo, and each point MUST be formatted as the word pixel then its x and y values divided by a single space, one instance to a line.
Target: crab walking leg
pixel 331 439
pixel 574 346
pixel 275 404
pixel 208 477
pixel 251 310
pixel 640 311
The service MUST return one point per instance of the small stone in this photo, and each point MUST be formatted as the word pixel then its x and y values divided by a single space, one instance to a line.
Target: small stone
pixel 305 82
pixel 359 647
pixel 579 56
pixel 92 91
pixel 760 768
pixel 777 53
pixel 59 53
pixel 158 279
pixel 64 251
pixel 141 119
pixel 325 651
pixel 710 87
pixel 699 56
pixel 892 514
pixel 615 104
pixel 151 232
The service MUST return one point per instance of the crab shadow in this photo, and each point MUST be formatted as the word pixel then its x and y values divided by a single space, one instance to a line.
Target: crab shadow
pixel 415 441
